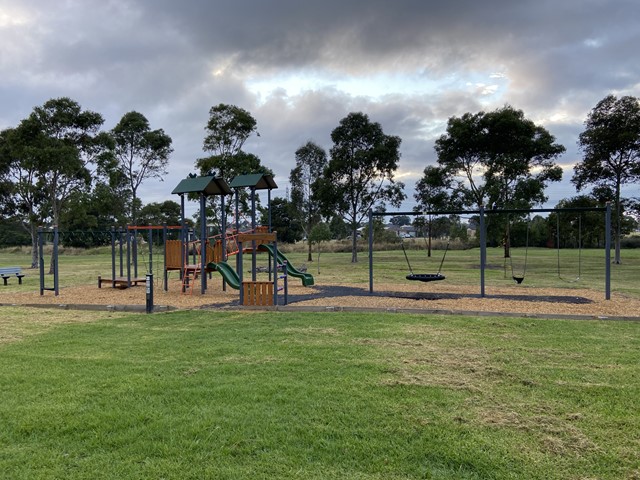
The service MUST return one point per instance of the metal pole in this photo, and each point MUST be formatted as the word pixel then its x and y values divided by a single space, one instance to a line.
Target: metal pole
pixel 237 227
pixel 483 250
pixel 113 257
pixel 286 282
pixel 275 273
pixel 203 243
pixel 56 238
pixel 134 244
pixel 607 254
pixel 184 245
pixel 370 251
pixel 121 253
pixel 164 241
pixel 149 285
pixel 223 227
pixel 253 229
pixel 240 273
pixel 128 236
pixel 269 207
pixel 40 259
pixel 150 243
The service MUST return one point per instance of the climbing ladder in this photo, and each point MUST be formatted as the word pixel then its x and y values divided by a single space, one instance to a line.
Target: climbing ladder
pixel 189 275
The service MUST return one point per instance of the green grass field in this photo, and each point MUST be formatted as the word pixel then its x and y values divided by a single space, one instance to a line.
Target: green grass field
pixel 235 395
pixel 209 394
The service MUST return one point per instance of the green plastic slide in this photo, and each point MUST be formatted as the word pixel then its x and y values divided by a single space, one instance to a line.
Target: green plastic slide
pixel 227 272
pixel 307 278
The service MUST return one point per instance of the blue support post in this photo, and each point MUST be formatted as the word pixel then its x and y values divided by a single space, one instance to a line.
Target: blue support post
pixel 56 239
pixel 483 250
pixel 40 258
pixel 607 254
pixel 370 251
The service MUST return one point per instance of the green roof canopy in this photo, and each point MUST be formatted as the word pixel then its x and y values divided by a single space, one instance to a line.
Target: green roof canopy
pixel 258 181
pixel 205 185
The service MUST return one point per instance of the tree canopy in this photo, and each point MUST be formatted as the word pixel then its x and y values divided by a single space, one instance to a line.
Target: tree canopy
pixel 361 172
pixel 610 143
pixel 499 158
pixel 140 153
pixel 51 157
pixel 311 160
pixel 228 129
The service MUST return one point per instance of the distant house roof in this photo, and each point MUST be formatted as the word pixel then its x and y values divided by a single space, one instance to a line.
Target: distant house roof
pixel 209 185
pixel 259 181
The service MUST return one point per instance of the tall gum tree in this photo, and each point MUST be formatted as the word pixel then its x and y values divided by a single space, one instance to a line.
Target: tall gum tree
pixel 501 158
pixel 57 149
pixel 311 160
pixel 23 197
pixel 360 174
pixel 227 130
pixel 610 143
pixel 141 153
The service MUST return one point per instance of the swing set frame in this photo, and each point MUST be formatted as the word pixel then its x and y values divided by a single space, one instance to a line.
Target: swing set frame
pixel 483 213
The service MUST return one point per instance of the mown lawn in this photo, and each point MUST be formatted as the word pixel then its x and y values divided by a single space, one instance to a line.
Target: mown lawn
pixel 211 394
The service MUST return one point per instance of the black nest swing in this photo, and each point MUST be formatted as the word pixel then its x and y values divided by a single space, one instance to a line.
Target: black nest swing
pixel 425 277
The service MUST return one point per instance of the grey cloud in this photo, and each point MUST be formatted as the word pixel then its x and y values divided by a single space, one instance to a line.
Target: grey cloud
pixel 174 60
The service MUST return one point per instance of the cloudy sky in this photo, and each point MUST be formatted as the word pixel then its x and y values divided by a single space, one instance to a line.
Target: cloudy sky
pixel 299 67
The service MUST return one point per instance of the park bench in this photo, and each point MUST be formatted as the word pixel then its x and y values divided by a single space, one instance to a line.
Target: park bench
pixel 10 272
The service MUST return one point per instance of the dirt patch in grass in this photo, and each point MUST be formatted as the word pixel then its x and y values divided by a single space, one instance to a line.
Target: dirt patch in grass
pixel 559 435
pixel 427 297
pixel 19 323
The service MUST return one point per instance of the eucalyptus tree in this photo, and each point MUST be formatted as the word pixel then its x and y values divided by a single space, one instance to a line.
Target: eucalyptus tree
pixel 227 130
pixel 311 160
pixel 68 145
pixel 360 174
pixel 140 153
pixel 436 191
pixel 54 150
pixel 500 159
pixel 610 143
pixel 23 199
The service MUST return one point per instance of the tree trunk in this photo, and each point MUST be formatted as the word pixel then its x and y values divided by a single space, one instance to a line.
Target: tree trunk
pixel 309 256
pixel 34 246
pixel 354 245
pixel 507 242
pixel 52 265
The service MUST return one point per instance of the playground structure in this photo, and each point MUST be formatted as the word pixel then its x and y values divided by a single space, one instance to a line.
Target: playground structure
pixel 121 238
pixel 482 213
pixel 196 257
pixel 458 293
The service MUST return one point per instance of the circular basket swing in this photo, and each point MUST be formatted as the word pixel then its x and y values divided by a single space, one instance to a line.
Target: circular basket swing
pixel 425 277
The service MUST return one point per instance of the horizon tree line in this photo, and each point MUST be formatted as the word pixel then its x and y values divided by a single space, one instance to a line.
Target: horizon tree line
pixel 58 167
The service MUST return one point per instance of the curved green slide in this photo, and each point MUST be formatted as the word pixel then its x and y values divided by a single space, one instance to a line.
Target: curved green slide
pixel 307 278
pixel 227 272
